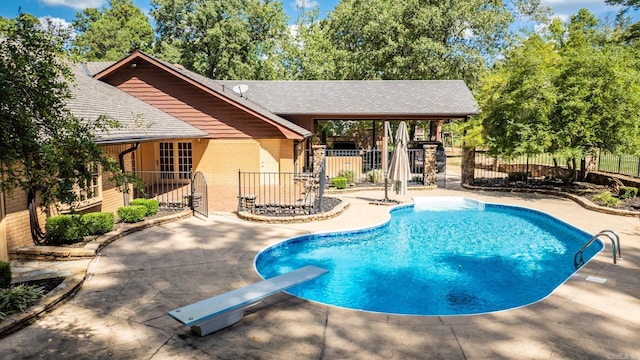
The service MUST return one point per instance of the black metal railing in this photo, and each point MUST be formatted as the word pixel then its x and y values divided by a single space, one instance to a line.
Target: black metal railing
pixel 495 170
pixel 364 167
pixel 619 164
pixel 281 194
pixel 172 190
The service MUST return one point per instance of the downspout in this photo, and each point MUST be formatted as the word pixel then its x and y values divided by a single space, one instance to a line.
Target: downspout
pixel 125 193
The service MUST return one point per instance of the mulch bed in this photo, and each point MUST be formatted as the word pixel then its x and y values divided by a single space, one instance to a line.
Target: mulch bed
pixel 584 189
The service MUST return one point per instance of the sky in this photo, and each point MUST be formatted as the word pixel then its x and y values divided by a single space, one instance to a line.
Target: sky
pixel 65 10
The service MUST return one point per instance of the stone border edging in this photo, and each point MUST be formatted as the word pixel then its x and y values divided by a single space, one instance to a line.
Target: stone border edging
pixel 578 199
pixel 92 247
pixel 71 284
pixel 337 210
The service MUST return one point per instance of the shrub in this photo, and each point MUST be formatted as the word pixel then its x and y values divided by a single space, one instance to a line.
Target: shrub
pixel 18 298
pixel 339 182
pixel 5 274
pixel 347 174
pixel 375 176
pixel 627 192
pixel 132 213
pixel 63 229
pixel 97 223
pixel 607 199
pixel 151 205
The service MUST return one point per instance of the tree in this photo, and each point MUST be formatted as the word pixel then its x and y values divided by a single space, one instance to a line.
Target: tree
pixel 309 55
pixel 576 91
pixel 223 39
pixel 43 147
pixel 110 33
pixel 420 39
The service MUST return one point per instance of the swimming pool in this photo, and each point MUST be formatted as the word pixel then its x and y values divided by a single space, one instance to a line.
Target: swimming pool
pixel 439 256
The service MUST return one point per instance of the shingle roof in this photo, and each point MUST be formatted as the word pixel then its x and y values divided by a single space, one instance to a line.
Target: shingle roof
pixel 139 121
pixel 447 98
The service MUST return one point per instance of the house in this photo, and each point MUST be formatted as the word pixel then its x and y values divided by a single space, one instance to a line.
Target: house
pixel 174 122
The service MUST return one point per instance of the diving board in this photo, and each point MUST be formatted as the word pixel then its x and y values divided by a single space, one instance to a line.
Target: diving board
pixel 223 310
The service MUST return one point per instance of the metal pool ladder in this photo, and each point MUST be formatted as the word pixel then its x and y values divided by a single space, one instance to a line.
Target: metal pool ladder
pixel 615 244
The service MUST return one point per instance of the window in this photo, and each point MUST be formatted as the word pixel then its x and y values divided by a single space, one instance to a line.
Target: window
pixel 185 160
pixel 90 196
pixel 166 160
pixel 94 188
pixel 176 164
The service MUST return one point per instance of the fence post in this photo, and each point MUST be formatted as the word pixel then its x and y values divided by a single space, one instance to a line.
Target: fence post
pixel 619 163
pixel 239 191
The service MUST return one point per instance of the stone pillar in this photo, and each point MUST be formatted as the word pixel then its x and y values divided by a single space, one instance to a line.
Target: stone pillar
pixel 468 165
pixel 429 168
pixel 318 157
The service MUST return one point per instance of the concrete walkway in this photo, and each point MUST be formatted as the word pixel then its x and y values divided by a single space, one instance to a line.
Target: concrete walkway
pixel 121 310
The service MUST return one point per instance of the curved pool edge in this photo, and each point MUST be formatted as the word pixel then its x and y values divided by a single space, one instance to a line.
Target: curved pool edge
pixel 528 307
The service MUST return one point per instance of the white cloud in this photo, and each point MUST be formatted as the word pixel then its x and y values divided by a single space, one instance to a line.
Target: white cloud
pixel 75 4
pixel 58 25
pixel 306 4
pixel 565 8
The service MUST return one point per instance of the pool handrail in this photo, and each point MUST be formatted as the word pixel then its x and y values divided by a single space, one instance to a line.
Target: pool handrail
pixel 615 244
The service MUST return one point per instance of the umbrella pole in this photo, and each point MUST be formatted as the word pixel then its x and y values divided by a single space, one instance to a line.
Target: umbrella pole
pixel 386 185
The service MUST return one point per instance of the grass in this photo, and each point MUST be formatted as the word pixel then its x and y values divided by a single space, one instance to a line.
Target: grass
pixel 622 164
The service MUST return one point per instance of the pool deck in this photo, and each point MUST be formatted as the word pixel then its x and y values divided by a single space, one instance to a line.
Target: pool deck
pixel 121 309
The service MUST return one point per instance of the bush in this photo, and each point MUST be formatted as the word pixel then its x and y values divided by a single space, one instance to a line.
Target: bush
pixel 5 274
pixel 132 213
pixel 607 199
pixel 18 298
pixel 627 192
pixel 375 176
pixel 347 174
pixel 151 205
pixel 97 223
pixel 63 229
pixel 339 182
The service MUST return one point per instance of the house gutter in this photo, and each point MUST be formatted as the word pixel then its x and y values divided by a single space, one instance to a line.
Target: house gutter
pixel 125 191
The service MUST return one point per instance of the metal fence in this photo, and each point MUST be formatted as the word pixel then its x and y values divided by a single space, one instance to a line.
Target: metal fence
pixel 364 167
pixel 281 194
pixel 619 164
pixel 171 189
pixel 493 170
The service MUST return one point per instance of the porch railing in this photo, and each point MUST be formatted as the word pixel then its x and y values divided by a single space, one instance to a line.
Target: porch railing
pixel 362 167
pixel 280 194
pixel 171 189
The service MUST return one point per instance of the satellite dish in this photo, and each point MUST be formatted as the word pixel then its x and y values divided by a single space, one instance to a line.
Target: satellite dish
pixel 240 89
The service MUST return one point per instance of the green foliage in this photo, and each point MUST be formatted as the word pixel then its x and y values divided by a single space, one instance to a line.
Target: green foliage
pixel 565 92
pixel 607 199
pixel 627 192
pixel 132 213
pixel 63 229
pixel 381 39
pixel 42 145
pixel 347 174
pixel 97 223
pixel 18 298
pixel 223 39
pixel 375 176
pixel 5 274
pixel 339 182
pixel 112 32
pixel 151 205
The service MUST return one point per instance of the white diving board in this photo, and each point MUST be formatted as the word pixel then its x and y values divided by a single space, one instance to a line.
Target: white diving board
pixel 223 310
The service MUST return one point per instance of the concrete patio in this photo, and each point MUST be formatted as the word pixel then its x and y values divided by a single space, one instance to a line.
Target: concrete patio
pixel 121 309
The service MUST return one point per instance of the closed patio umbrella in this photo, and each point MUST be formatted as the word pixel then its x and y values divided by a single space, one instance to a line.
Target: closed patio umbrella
pixel 399 169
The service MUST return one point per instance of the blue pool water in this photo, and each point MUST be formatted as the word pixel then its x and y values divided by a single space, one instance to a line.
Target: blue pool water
pixel 440 256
